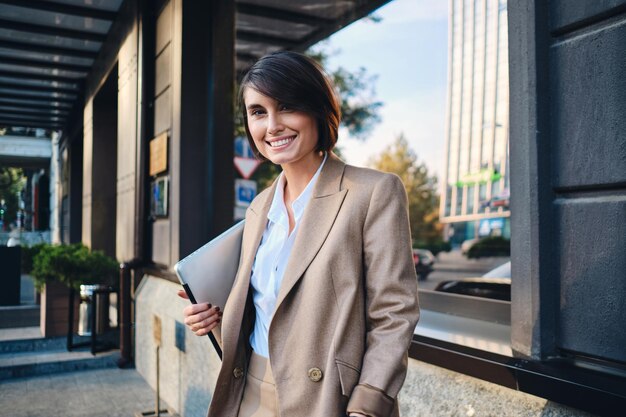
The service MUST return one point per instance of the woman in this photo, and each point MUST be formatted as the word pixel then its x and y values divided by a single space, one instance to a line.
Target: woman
pixel 324 304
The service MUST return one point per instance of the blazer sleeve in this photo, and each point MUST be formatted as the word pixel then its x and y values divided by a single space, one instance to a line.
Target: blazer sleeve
pixel 391 301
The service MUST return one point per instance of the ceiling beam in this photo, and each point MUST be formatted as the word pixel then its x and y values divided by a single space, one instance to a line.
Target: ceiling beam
pixel 28 110
pixel 246 56
pixel 47 49
pixel 63 9
pixel 41 77
pixel 4 102
pixel 40 63
pixel 252 36
pixel 36 98
pixel 37 118
pixel 24 95
pixel 30 114
pixel 28 123
pixel 280 14
pixel 39 88
pixel 52 31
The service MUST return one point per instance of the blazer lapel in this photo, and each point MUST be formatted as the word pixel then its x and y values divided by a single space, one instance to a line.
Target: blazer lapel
pixel 317 221
pixel 256 222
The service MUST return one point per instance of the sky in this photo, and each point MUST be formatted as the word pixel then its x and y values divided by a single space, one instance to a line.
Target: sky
pixel 408 51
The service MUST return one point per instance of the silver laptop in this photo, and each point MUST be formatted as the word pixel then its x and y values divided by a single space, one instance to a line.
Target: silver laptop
pixel 207 275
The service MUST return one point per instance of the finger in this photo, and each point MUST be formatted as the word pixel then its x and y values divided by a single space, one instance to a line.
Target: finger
pixel 183 294
pixel 207 321
pixel 194 321
pixel 206 330
pixel 192 309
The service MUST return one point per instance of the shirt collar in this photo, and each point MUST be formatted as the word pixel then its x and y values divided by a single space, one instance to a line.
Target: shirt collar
pixel 278 212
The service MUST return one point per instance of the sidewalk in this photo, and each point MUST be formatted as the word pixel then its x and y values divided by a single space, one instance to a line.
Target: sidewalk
pixel 58 388
pixel 98 393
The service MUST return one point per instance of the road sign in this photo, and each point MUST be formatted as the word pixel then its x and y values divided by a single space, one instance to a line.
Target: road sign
pixel 245 191
pixel 242 148
pixel 246 166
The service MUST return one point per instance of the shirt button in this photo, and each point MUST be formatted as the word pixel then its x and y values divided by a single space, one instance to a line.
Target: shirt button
pixel 238 373
pixel 315 374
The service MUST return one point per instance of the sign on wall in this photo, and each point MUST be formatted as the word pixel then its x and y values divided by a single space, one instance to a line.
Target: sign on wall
pixel 159 197
pixel 158 154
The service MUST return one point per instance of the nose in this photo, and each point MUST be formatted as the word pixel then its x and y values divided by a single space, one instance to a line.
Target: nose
pixel 274 124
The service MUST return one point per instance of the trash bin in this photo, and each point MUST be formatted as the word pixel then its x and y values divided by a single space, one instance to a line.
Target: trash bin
pixel 10 273
pixel 90 294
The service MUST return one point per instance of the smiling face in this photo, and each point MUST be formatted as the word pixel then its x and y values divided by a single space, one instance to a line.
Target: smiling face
pixel 282 135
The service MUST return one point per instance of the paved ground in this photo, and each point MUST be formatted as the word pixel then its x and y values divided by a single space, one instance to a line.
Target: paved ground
pixel 98 393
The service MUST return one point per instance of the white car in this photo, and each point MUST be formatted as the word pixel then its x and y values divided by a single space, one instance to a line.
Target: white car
pixel 467 244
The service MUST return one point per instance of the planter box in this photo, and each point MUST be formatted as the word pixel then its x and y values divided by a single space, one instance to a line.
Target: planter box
pixel 54 313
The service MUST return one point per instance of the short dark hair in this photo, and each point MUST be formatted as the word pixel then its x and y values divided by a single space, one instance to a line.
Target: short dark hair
pixel 299 82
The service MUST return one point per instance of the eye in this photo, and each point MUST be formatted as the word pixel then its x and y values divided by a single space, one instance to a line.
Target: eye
pixel 257 112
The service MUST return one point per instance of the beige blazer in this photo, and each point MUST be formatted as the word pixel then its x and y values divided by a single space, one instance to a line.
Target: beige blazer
pixel 347 306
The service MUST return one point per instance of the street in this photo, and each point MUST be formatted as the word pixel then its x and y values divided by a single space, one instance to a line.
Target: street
pixel 454 265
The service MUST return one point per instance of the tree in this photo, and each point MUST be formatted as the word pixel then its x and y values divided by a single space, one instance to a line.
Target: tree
pixel 421 189
pixel 11 183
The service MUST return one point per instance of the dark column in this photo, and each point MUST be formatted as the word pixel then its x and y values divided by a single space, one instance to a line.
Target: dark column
pixel 206 121
pixel 568 178
pixel 104 162
pixel 76 186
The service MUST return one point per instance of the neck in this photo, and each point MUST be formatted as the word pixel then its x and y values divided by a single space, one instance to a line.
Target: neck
pixel 297 176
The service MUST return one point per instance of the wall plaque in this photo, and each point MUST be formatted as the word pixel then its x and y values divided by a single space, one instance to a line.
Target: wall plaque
pixel 158 154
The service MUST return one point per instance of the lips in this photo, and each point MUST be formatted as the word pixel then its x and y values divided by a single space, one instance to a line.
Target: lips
pixel 280 142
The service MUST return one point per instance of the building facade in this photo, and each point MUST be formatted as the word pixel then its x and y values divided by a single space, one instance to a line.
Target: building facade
pixel 476 177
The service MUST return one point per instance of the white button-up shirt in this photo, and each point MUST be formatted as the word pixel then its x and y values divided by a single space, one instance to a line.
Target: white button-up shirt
pixel 272 257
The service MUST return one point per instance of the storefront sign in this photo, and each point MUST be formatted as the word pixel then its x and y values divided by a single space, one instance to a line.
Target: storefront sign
pixel 481 177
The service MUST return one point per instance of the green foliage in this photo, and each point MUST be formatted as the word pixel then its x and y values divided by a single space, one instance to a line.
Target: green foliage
pixel 28 255
pixel 360 111
pixel 490 246
pixel 436 246
pixel 421 189
pixel 11 184
pixel 73 265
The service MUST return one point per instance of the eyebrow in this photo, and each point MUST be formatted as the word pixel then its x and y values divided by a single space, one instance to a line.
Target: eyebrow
pixel 254 106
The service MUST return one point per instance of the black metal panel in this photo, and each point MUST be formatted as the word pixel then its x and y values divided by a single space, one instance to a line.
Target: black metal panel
pixel 573 381
pixel 277 13
pixel 4 121
pixel 47 49
pixel 569 15
pixel 20 98
pixel 35 63
pixel 54 31
pixel 67 9
pixel 591 150
pixel 32 112
pixel 37 88
pixel 41 77
pixel 592 244
pixel 31 105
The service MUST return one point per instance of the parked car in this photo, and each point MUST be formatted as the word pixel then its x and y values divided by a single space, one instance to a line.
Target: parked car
pixel 495 284
pixel 423 260
pixel 467 244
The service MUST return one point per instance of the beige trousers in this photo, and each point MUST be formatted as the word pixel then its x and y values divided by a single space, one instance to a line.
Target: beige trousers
pixel 259 396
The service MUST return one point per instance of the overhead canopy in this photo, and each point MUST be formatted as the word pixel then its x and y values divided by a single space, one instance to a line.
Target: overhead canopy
pixel 48 47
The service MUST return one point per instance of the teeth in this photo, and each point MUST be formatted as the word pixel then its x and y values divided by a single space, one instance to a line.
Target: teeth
pixel 281 142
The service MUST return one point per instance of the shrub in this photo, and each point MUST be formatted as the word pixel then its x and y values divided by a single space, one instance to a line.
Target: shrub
pixel 28 254
pixel 490 246
pixel 435 246
pixel 73 265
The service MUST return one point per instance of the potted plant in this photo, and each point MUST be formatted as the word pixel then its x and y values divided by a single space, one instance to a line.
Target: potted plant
pixel 56 269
